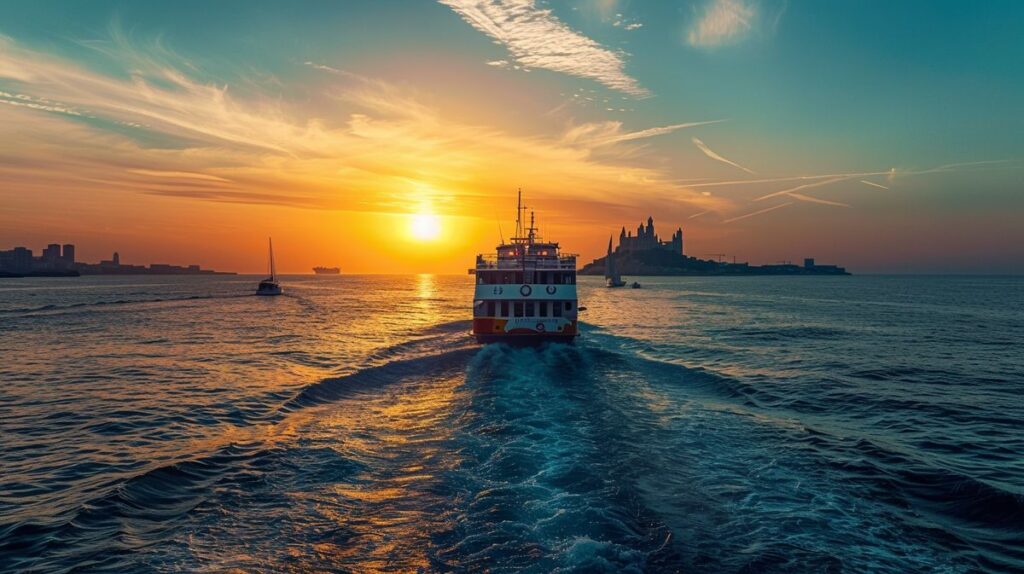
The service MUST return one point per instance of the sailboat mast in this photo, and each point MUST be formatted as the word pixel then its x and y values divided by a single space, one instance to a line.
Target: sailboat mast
pixel 273 272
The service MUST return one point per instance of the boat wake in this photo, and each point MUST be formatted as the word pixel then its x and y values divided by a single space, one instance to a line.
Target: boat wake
pixel 436 454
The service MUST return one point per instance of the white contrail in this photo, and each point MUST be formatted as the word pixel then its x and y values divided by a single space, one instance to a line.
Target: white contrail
pixel 789 178
pixel 651 132
pixel 873 184
pixel 890 173
pixel 772 208
pixel 799 187
pixel 803 197
pixel 711 154
pixel 696 215
pixel 952 166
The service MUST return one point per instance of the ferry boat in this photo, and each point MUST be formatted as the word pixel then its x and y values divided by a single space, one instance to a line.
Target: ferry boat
pixel 526 291
pixel 327 270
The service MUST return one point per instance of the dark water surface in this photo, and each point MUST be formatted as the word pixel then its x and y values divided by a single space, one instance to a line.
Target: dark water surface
pixel 772 424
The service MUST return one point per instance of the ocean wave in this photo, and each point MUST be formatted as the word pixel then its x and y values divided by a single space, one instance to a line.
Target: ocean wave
pixel 114 302
pixel 375 377
pixel 979 519
pixel 130 515
pixel 777 333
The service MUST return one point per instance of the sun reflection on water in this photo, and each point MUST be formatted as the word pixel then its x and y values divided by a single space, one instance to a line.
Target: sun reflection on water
pixel 392 506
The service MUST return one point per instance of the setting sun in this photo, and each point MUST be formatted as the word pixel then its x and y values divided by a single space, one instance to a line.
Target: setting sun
pixel 425 227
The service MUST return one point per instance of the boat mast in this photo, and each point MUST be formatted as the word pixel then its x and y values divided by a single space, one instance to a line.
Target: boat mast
pixel 272 270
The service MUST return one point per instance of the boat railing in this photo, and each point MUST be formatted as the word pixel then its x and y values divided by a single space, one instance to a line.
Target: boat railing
pixel 564 262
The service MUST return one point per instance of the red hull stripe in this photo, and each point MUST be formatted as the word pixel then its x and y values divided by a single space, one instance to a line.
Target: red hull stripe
pixel 492 326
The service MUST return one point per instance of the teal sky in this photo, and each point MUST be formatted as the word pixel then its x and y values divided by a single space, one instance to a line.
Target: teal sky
pixel 905 117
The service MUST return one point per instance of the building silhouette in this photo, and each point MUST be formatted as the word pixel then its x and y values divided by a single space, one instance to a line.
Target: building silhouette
pixel 51 255
pixel 60 261
pixel 17 260
pixel 646 238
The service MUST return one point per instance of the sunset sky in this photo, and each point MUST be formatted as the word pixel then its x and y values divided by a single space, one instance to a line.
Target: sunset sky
pixel 884 136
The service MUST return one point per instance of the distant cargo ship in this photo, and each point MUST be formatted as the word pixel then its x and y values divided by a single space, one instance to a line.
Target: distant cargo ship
pixel 326 270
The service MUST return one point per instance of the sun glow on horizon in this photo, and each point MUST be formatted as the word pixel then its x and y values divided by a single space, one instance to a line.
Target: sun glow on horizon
pixel 425 227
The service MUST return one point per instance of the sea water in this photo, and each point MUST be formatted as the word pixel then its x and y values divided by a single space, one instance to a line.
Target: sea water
pixel 740 424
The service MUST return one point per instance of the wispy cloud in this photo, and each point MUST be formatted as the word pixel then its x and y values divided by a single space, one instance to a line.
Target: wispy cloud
pixel 178 175
pixel 723 22
pixel 324 67
pixel 711 154
pixel 368 146
pixel 536 38
pixel 43 104
pixel 873 184
pixel 766 210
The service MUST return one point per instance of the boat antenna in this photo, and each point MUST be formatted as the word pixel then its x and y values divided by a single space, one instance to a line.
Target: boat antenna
pixel 519 211
pixel 500 234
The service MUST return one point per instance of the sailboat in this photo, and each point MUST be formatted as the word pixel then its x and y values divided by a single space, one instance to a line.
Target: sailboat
pixel 269 286
pixel 611 275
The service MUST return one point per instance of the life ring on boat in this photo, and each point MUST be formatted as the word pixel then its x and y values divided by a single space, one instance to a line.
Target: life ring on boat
pixel 540 327
pixel 551 289
pixel 525 290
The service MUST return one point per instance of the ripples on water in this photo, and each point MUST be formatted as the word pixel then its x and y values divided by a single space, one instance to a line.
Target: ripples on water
pixel 701 424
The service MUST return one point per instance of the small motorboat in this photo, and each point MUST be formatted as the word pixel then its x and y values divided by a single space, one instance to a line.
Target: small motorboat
pixel 635 285
pixel 270 286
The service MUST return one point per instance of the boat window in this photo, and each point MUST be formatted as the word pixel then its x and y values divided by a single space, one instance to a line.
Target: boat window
pixel 568 305
pixel 504 309
pixel 543 308
pixel 556 309
pixel 519 309
pixel 530 309
pixel 518 277
pixel 491 308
